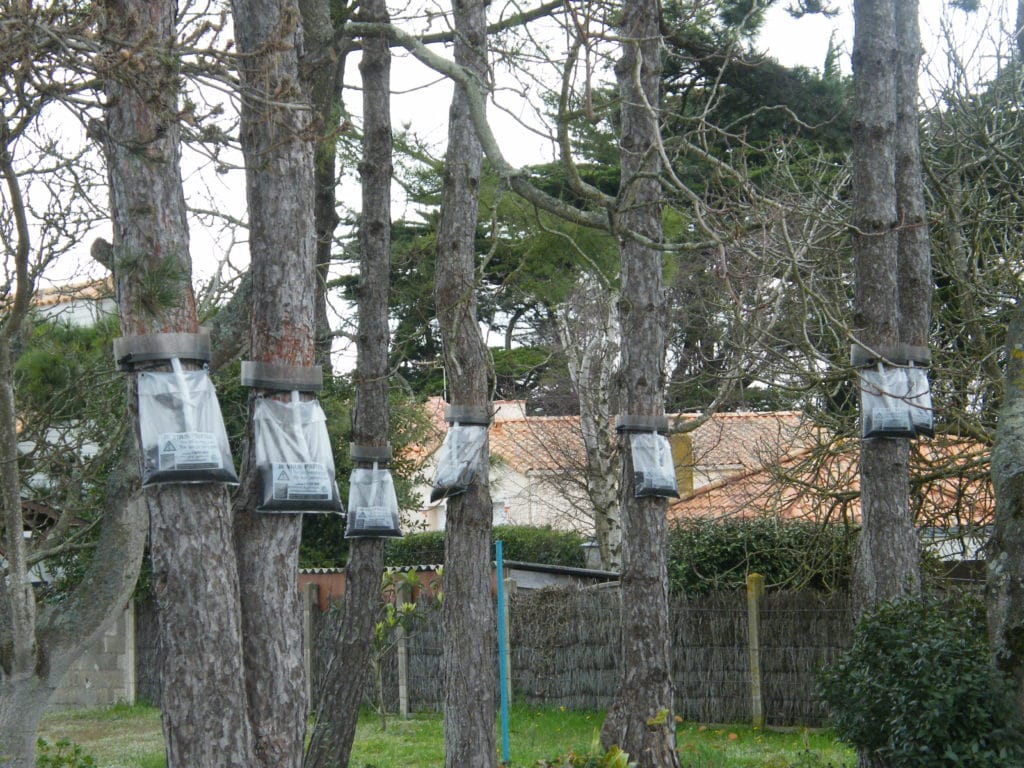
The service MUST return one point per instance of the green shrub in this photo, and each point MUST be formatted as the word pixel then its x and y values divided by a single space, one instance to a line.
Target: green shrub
pixel 917 689
pixel 519 542
pixel 62 754
pixel 705 556
pixel 613 758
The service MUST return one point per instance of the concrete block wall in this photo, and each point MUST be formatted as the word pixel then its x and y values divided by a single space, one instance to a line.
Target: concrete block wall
pixel 105 673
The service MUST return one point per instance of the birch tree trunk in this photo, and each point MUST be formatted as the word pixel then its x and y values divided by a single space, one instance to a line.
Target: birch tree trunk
pixel 337 707
pixel 640 720
pixel 590 340
pixel 278 150
pixel 469 657
pixel 195 580
pixel 888 558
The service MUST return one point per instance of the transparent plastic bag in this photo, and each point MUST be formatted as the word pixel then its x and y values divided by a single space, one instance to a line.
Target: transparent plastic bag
pixel 462 458
pixel 919 397
pixel 293 455
pixel 372 504
pixel 884 403
pixel 181 429
pixel 654 472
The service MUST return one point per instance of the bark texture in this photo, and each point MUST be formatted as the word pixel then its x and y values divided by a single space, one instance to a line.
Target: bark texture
pixel 588 330
pixel 195 581
pixel 1005 587
pixel 1005 580
pixel 640 720
pixel 468 618
pixel 888 559
pixel 337 706
pixel 278 150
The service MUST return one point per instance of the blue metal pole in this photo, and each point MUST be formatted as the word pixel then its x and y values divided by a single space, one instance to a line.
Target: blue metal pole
pixel 499 564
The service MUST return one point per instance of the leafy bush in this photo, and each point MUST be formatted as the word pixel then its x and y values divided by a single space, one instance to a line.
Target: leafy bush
pixel 62 754
pixel 917 689
pixel 704 556
pixel 519 542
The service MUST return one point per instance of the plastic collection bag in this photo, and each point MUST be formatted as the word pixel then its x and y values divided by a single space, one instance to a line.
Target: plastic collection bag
pixel 181 429
pixel 293 455
pixel 919 397
pixel 462 458
pixel 654 472
pixel 372 504
pixel 889 404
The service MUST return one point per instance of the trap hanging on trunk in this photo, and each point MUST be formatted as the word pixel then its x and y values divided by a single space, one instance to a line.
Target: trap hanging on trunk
pixel 181 431
pixel 895 395
pixel 462 459
pixel 372 502
pixel 292 448
pixel 654 471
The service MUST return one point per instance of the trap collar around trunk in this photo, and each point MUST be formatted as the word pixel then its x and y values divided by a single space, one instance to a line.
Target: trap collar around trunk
pixel 639 423
pixel 898 354
pixel 131 351
pixel 468 415
pixel 282 378
pixel 369 454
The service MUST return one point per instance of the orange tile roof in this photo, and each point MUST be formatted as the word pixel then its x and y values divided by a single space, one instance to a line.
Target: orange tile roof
pixel 949 486
pixel 724 442
pixel 91 290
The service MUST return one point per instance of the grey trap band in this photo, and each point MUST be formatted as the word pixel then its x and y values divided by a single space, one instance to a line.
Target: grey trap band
pixel 282 378
pixel 132 350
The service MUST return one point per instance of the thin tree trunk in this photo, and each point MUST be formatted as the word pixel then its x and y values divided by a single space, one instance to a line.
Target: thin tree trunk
pixel 1005 586
pixel 195 580
pixel 640 720
pixel 590 340
pixel 1005 578
pixel 468 618
pixel 888 560
pixel 278 151
pixel 337 707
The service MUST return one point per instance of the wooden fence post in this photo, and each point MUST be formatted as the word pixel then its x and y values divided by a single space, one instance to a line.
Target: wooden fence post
pixel 310 601
pixel 403 595
pixel 755 589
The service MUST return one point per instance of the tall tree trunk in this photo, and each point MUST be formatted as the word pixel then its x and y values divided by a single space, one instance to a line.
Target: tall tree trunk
pixel 1005 578
pixel 468 617
pixel 337 707
pixel 640 720
pixel 884 128
pixel 278 150
pixel 888 558
pixel 195 581
pixel 1005 587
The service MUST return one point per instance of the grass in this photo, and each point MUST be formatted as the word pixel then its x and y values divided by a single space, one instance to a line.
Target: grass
pixel 130 737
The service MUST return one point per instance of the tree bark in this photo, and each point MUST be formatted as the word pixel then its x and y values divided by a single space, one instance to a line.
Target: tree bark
pixel 888 559
pixel 1005 583
pixel 195 580
pixel 469 658
pixel 589 334
pixel 277 147
pixel 1005 577
pixel 337 708
pixel 640 721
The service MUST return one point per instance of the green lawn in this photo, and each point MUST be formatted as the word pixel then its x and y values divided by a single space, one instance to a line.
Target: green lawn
pixel 129 737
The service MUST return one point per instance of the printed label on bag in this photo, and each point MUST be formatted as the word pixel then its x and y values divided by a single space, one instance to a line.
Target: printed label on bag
pixel 373 517
pixel 188 450
pixel 301 482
